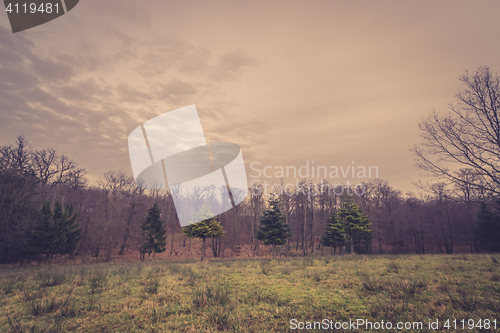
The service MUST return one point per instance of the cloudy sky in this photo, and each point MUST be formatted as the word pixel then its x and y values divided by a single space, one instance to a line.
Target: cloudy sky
pixel 289 81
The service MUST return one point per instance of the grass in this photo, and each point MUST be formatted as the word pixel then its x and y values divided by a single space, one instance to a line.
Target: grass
pixel 249 295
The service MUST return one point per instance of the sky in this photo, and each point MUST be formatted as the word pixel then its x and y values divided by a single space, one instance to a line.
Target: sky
pixel 293 83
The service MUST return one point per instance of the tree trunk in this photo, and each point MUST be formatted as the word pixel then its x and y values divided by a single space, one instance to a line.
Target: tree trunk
pixel 254 240
pixel 203 249
pixel 312 226
pixel 172 239
pixel 127 231
pixel 304 224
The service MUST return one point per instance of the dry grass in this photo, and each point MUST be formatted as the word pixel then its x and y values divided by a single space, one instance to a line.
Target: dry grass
pixel 247 295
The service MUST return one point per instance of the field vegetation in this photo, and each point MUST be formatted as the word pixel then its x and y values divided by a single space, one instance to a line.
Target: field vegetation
pixel 254 295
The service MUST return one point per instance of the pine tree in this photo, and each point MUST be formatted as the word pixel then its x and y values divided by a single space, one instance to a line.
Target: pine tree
pixel 67 227
pixel 154 232
pixel 73 234
pixel 335 235
pixel 356 226
pixel 487 232
pixel 273 231
pixel 41 236
pixel 66 232
pixel 55 232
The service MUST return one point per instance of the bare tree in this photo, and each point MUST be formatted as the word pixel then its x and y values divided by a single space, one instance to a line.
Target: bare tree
pixel 287 207
pixel 468 136
pixel 256 204
pixel 18 157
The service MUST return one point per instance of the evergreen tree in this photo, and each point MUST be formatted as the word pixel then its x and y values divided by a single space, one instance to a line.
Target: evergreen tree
pixel 335 235
pixel 66 232
pixel 154 232
pixel 487 232
pixel 55 232
pixel 41 235
pixel 209 227
pixel 356 226
pixel 273 231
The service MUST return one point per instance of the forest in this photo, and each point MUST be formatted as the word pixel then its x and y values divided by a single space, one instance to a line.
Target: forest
pixel 46 197
pixel 110 215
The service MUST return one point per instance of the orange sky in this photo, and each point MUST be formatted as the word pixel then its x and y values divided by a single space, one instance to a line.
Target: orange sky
pixel 289 81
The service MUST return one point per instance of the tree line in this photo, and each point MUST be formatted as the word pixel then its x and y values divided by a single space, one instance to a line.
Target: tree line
pixel 65 216
pixel 46 200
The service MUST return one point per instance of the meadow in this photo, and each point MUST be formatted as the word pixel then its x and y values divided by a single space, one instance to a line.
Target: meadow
pixel 254 295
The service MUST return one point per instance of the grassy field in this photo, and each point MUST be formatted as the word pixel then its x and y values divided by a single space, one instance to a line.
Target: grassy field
pixel 252 295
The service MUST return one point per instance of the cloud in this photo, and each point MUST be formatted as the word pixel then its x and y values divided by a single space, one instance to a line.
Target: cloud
pixel 231 65
pixel 176 91
pixel 127 93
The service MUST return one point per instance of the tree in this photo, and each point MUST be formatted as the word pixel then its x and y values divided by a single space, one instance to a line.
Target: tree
pixel 208 227
pixel 123 206
pixel 356 226
pixel 27 178
pixel 66 232
pixel 469 136
pixel 204 229
pixel 154 232
pixel 273 230
pixel 41 235
pixel 256 202
pixel 19 193
pixel 55 232
pixel 487 232
pixel 335 235
pixel 54 169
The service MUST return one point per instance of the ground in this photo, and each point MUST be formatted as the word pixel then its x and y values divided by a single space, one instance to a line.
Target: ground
pixel 254 295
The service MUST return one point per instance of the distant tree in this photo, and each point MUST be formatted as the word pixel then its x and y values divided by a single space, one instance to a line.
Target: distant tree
pixel 487 232
pixel 209 227
pixel 273 230
pixel 356 226
pixel 55 232
pixel 256 202
pixel 41 237
pixel 124 206
pixel 28 177
pixel 335 235
pixel 205 229
pixel 66 232
pixel 19 195
pixel 154 232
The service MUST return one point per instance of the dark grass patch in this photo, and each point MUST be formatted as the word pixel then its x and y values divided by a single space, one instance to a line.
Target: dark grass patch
pixel 211 296
pixel 150 284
